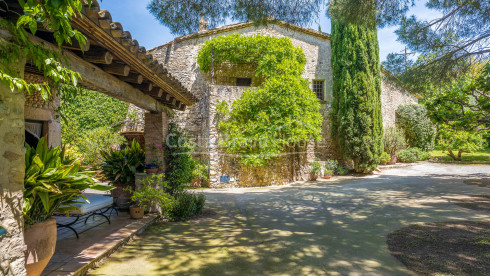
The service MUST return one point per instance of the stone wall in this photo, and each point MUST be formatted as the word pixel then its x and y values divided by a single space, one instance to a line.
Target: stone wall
pixel 12 167
pixel 392 96
pixel 291 166
pixel 199 120
pixel 37 109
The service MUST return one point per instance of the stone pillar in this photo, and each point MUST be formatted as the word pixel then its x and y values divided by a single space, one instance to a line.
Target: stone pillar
pixel 156 130
pixel 12 168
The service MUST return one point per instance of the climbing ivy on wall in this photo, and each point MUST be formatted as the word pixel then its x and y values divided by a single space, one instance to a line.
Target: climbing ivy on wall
pixel 356 107
pixel 280 113
pixel 90 110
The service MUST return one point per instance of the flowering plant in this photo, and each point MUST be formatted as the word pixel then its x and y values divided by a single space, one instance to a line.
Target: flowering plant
pixel 155 163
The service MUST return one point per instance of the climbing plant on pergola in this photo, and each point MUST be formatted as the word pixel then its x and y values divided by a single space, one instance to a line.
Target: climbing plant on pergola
pixel 282 112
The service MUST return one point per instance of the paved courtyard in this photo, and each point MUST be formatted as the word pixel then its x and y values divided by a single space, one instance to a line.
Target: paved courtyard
pixel 316 228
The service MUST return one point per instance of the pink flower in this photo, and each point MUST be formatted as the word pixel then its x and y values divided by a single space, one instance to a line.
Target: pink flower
pixel 160 147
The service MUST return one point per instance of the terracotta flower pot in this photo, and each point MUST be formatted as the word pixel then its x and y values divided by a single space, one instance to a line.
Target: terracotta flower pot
pixel 40 240
pixel 326 177
pixel 136 212
pixel 313 176
pixel 152 170
pixel 197 182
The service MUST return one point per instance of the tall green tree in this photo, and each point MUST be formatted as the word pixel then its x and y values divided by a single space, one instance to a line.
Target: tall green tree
pixel 356 108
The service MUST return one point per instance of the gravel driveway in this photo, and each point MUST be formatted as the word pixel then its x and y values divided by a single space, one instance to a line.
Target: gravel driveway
pixel 317 228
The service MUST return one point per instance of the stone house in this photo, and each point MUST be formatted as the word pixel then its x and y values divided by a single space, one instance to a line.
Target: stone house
pixel 227 84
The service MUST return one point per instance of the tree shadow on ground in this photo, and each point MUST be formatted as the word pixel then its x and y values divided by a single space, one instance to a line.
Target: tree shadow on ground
pixel 308 229
pixel 449 248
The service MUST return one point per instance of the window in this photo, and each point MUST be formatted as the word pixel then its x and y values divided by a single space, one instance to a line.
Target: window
pixel 319 89
pixel 244 82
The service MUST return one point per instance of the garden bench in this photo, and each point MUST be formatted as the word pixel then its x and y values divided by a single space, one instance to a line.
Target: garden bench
pixel 98 205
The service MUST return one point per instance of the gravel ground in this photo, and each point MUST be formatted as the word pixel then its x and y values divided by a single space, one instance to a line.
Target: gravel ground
pixel 336 227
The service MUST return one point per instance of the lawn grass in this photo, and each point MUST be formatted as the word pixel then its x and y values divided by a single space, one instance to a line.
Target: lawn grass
pixel 482 156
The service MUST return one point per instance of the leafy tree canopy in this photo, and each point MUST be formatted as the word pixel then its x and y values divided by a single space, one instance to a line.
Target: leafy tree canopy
pixel 55 16
pixel 282 112
pixel 449 45
pixel 464 104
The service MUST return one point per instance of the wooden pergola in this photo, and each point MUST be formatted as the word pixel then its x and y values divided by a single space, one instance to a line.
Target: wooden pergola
pixel 112 62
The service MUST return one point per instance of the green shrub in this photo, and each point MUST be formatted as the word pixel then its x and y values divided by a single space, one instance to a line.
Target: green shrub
pixel 419 129
pixel 459 140
pixel 316 167
pixel 185 206
pixel 328 172
pixel 394 140
pixel 180 164
pixel 411 155
pixel 92 142
pixel 152 193
pixel 331 164
pixel 120 166
pixel 201 170
pixel 341 170
pixel 385 158
pixel 52 183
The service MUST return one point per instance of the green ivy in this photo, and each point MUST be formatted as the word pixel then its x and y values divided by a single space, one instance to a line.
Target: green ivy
pixel 55 15
pixel 282 112
pixel 180 165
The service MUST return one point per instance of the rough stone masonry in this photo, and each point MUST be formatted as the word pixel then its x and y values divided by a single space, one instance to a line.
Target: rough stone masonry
pixel 200 120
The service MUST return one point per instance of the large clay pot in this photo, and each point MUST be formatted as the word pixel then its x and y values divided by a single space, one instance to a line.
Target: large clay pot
pixel 122 198
pixel 313 176
pixel 40 240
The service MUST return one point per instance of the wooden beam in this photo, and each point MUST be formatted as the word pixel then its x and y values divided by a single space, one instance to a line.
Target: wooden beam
pixel 159 78
pixel 133 78
pixel 76 46
pixel 145 87
pixel 117 69
pixel 96 79
pixel 101 57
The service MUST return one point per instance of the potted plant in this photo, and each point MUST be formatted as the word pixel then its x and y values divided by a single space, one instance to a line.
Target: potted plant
pixel 315 170
pixel 119 168
pixel 52 184
pixel 152 167
pixel 200 174
pixel 155 163
pixel 327 174
pixel 151 195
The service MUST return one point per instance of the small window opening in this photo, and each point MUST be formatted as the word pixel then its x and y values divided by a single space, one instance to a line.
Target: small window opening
pixel 319 89
pixel 244 82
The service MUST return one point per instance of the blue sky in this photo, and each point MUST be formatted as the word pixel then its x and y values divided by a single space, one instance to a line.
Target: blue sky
pixel 135 18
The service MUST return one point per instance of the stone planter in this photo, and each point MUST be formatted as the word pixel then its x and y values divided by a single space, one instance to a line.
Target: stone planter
pixel 136 212
pixel 151 170
pixel 40 240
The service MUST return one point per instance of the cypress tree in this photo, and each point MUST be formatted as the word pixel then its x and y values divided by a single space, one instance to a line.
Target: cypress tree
pixel 356 108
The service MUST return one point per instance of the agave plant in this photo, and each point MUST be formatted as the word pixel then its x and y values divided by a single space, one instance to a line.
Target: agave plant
pixel 120 166
pixel 52 183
